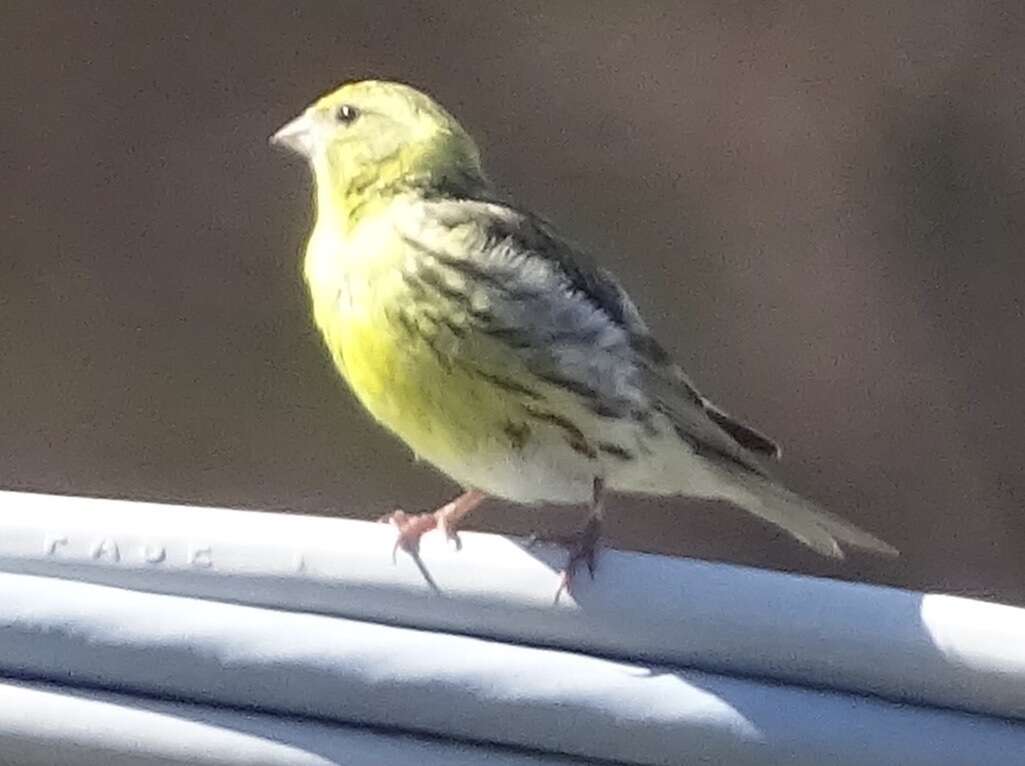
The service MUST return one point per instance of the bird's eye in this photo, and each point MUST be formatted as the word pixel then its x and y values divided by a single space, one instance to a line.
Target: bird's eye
pixel 346 114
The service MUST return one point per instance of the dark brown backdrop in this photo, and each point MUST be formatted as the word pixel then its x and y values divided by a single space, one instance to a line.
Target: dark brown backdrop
pixel 819 210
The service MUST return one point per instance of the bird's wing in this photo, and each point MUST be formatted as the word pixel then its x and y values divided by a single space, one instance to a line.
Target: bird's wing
pixel 566 320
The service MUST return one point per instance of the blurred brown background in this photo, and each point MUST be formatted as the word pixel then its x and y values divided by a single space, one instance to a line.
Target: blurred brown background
pixel 820 211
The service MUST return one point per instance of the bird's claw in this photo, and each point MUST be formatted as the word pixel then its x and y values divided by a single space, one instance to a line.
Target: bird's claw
pixel 583 551
pixel 582 548
pixel 451 534
pixel 411 527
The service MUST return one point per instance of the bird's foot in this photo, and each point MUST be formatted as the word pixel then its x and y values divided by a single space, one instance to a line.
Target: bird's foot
pixel 582 550
pixel 412 526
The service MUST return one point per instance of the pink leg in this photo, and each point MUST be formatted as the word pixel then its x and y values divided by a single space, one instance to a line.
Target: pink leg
pixel 412 527
pixel 583 548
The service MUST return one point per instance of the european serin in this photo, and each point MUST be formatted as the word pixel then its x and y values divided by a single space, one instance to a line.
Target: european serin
pixel 493 347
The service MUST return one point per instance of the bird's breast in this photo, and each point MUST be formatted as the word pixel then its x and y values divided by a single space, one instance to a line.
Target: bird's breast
pixel 424 374
pixel 399 354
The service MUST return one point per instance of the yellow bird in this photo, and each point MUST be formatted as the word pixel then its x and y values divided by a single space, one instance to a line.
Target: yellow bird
pixel 493 347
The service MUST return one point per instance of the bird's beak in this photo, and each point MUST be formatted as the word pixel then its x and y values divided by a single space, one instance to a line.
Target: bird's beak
pixel 296 135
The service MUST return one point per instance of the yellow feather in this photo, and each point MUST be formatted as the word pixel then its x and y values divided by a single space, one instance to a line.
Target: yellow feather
pixel 441 410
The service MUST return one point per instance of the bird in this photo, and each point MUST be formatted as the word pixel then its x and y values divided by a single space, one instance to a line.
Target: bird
pixel 497 349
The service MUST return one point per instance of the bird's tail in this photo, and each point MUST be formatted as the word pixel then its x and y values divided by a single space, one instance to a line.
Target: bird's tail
pixel 803 519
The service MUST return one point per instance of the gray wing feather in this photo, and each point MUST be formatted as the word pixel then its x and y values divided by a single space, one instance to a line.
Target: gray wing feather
pixel 571 323
pixel 538 302
pixel 522 304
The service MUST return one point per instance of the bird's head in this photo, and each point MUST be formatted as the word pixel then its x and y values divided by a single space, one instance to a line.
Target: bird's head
pixel 369 140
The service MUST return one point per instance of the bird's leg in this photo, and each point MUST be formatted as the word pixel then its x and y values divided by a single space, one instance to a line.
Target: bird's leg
pixel 583 547
pixel 412 527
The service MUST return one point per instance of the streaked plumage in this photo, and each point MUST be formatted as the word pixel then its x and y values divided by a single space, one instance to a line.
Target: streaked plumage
pixel 493 347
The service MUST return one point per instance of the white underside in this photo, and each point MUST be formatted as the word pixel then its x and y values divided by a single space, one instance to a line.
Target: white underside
pixel 548 470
